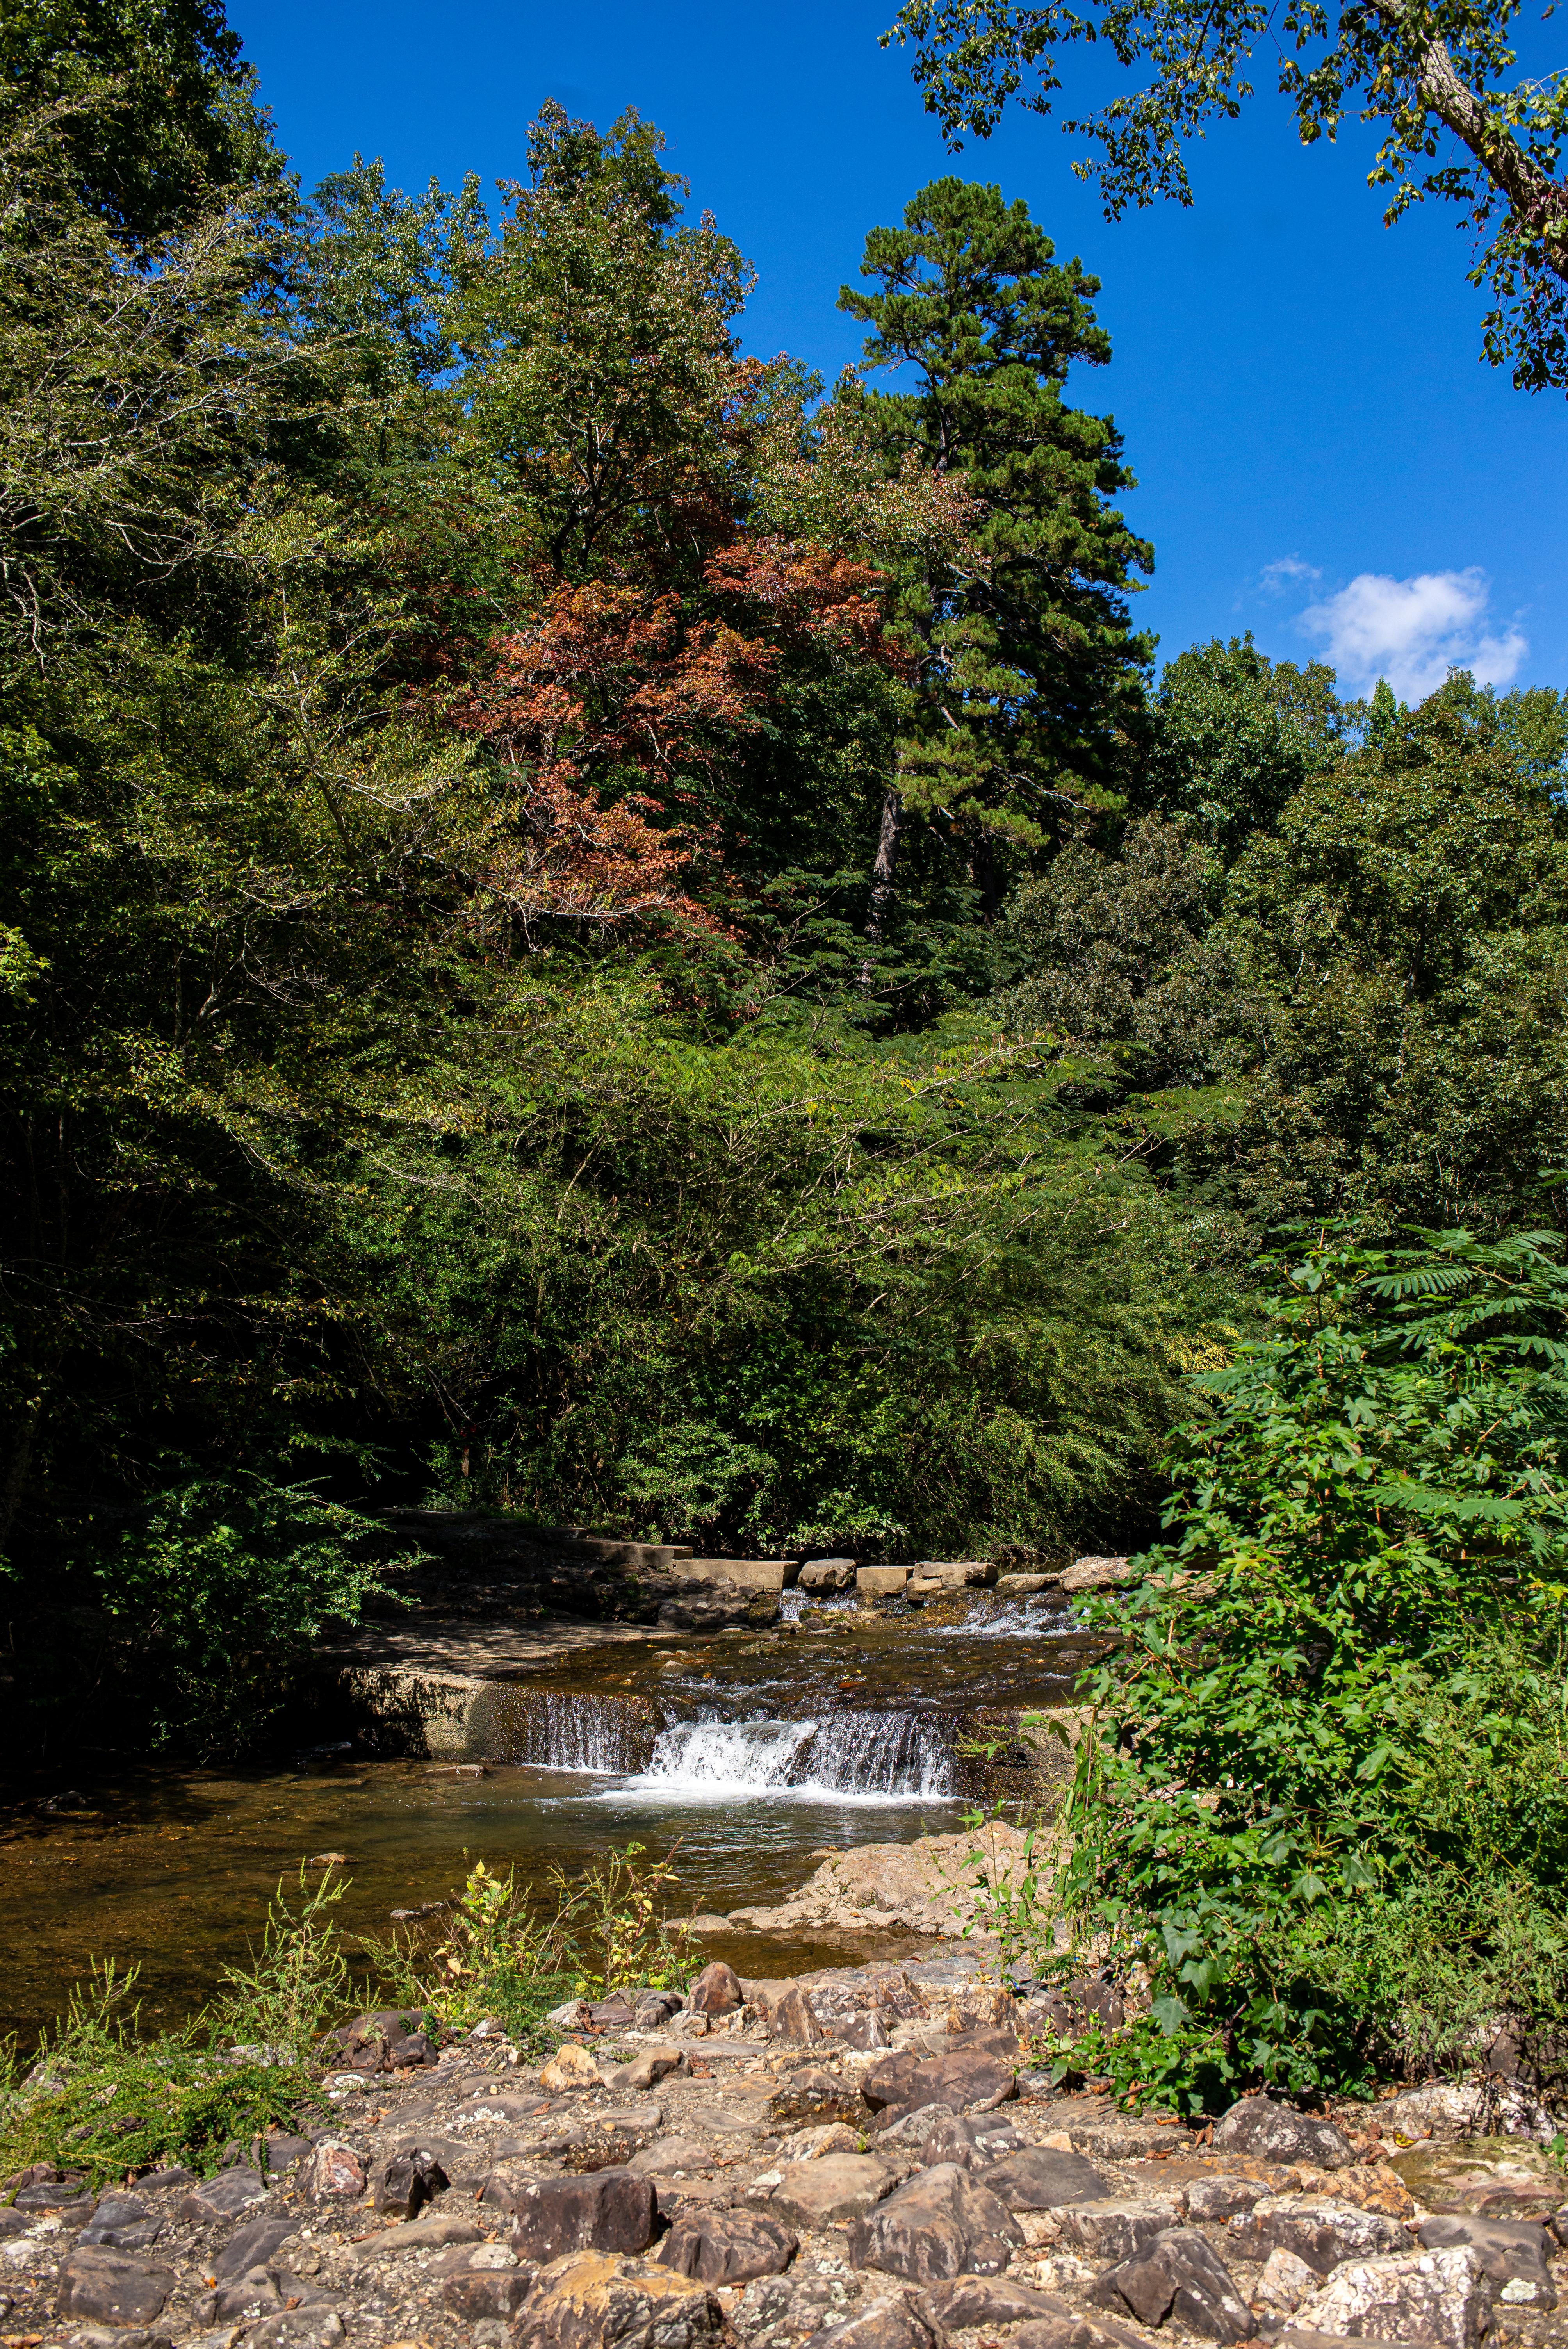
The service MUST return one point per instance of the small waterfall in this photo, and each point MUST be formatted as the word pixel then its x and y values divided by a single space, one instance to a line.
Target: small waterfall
pixel 556 1729
pixel 1044 1615
pixel 854 1757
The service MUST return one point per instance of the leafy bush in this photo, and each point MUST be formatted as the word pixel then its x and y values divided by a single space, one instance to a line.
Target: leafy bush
pixel 1326 1806
pixel 225 1583
pixel 507 1954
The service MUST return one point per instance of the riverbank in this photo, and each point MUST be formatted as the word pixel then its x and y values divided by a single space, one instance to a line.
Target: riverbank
pixel 870 2157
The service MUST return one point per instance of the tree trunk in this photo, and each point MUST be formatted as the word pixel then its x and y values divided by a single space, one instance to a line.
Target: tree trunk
pixel 885 871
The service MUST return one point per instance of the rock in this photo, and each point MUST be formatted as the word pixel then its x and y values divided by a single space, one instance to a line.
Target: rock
pixel 441 2227
pixel 251 2295
pixel 1512 2253
pixel 570 2069
pixel 962 2301
pixel 1275 2132
pixel 811 2093
pixel 881 1581
pixel 1114 2231
pixel 573 2014
pixel 906 2322
pixel 1492 2177
pixel 224 2196
pixel 1179 2275
pixel 1320 2233
pixel 1447 2109
pixel 816 2144
pixel 926 1886
pixel 1444 2296
pixel 405 2182
pixel 1097 1573
pixel 336 2172
pixel 252 2247
pixel 108 2287
pixel 717 1990
pixel 1222 2197
pixel 968 2083
pixel 668 2155
pixel 122 2223
pixel 645 2072
pixel 728 2246
pixel 1025 1586
pixel 654 2007
pixel 297 2328
pixel 284 2153
pixel 957 1573
pixel 972 2140
pixel 1067 2331
pixel 613 2210
pixel 944 2222
pixel 1284 2282
pixel 832 2192
pixel 496 2293
pixel 593 2300
pixel 607 2140
pixel 791 2020
pixel 821 1575
pixel 1046 2178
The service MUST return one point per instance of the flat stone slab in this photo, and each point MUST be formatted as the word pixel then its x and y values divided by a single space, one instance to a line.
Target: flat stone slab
pixel 832 2192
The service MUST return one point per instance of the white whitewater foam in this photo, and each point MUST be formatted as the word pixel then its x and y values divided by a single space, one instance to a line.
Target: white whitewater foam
pixel 842 1757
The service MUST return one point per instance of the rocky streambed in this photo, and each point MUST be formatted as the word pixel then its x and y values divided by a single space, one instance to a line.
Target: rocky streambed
pixel 854 2157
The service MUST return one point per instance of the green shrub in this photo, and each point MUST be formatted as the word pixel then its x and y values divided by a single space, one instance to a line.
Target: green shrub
pixel 1326 1806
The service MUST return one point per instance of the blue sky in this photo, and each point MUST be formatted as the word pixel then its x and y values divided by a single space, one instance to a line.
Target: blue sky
pixel 1320 456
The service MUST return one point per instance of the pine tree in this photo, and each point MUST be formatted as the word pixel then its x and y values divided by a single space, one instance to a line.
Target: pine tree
pixel 1030 672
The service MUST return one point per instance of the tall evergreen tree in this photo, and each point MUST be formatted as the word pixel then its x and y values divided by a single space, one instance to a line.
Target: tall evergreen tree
pixel 1030 672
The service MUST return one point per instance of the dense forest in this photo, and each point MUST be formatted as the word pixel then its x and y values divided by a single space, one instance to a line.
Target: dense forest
pixel 592 926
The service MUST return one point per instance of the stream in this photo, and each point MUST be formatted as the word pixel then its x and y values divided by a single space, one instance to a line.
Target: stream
pixel 745 1756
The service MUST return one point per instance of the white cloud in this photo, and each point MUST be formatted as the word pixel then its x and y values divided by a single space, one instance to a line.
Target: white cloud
pixel 1413 631
pixel 1275 577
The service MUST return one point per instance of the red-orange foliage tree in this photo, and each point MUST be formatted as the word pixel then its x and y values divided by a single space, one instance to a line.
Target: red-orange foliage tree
pixel 612 713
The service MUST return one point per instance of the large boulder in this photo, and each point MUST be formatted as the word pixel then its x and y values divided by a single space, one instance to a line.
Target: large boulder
pixel 1178 2276
pixel 1490 2176
pixel 1275 2132
pixel 1512 2252
pixel 973 2140
pixel 611 2210
pixel 1044 2177
pixel 927 1886
pixel 1320 2231
pixel 1441 2296
pixel 224 2196
pixel 944 2222
pixel 905 2323
pixel 109 2287
pixel 792 2020
pixel 122 2222
pixel 832 2192
pixel 717 1990
pixel 252 2247
pixel 1114 2230
pixel 593 2300
pixel 812 2093
pixel 727 2246
pixel 966 2081
pixel 969 2299
pixel 823 1576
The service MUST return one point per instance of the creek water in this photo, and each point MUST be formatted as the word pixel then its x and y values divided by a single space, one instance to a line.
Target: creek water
pixel 746 1757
